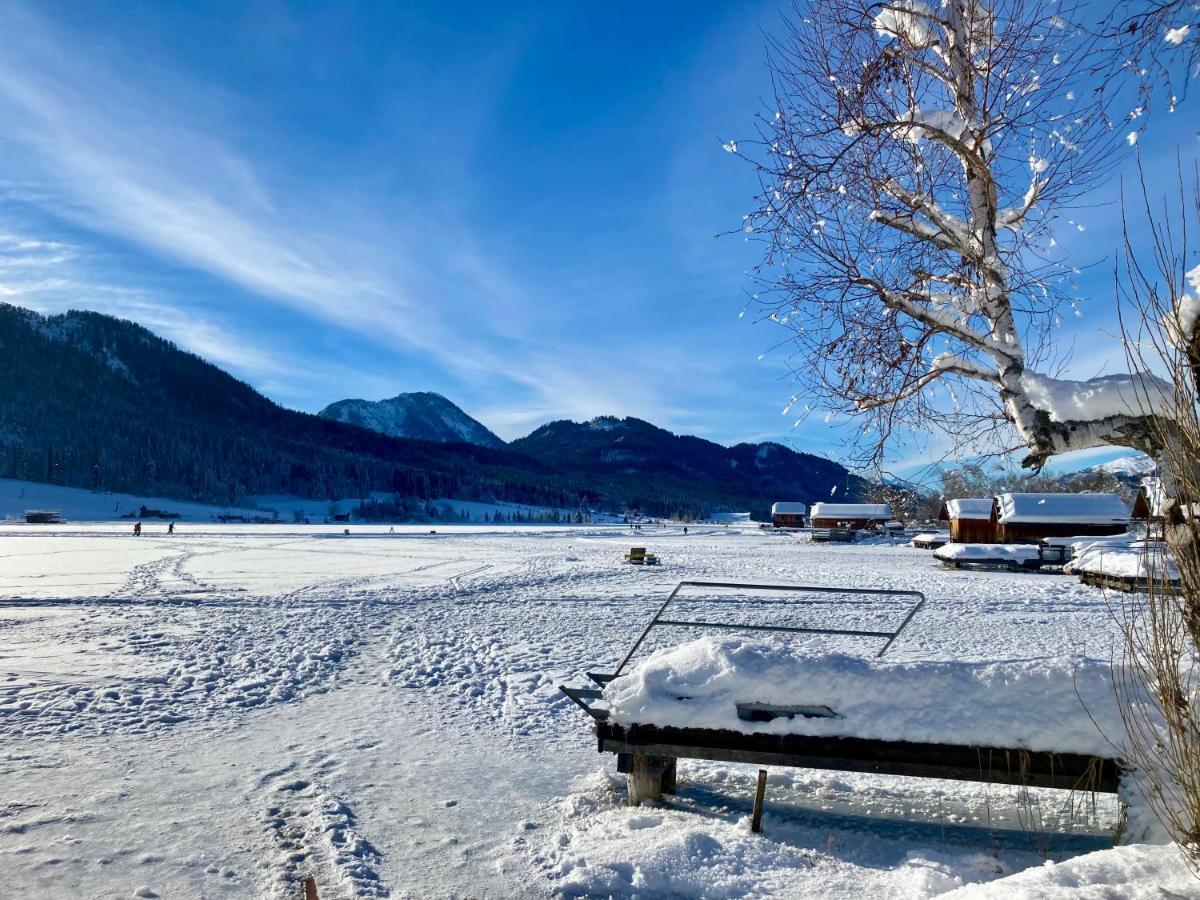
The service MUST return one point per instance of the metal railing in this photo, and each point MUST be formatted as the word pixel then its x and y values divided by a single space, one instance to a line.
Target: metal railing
pixel 888 636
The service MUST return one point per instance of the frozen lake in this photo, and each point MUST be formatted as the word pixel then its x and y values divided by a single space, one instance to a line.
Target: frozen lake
pixel 219 712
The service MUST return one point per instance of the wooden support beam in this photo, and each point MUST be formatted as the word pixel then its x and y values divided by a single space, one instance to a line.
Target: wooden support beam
pixel 1067 771
pixel 759 793
pixel 646 777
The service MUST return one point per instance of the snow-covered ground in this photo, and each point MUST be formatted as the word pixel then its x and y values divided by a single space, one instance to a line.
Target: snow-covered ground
pixel 219 712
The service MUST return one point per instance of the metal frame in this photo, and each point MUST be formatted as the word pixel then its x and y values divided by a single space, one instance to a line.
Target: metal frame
pixel 787 629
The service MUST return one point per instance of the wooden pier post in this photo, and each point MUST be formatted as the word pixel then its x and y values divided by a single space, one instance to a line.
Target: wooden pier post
pixel 759 793
pixel 670 776
pixel 648 777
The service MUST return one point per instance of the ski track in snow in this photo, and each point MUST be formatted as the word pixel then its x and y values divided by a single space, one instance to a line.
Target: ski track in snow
pixel 314 832
pixel 476 630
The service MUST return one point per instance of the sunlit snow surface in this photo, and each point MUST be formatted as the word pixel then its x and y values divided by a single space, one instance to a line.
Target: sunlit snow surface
pixel 219 712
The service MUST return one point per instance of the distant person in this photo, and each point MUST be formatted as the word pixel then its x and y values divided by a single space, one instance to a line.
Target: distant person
pixel 392 530
pixel 171 528
pixel 685 529
pixel 346 531
pixel 137 529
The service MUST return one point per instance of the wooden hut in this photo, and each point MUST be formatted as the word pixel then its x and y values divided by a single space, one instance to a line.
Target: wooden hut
pixel 1150 504
pixel 850 515
pixel 1028 518
pixel 43 517
pixel 786 514
pixel 971 520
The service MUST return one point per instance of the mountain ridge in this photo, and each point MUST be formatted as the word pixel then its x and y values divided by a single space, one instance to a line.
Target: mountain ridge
pixel 92 401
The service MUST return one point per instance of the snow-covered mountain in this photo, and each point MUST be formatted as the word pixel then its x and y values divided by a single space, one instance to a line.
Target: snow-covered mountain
pixel 421 415
pixel 1135 464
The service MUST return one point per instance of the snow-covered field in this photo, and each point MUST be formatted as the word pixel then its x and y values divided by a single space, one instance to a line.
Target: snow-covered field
pixel 219 712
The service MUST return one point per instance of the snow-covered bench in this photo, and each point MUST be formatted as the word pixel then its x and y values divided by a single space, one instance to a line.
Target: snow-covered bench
pixel 1040 723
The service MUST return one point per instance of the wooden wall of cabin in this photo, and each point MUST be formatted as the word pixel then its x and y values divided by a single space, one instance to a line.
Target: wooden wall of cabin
pixel 1032 532
pixel 846 523
pixel 972 531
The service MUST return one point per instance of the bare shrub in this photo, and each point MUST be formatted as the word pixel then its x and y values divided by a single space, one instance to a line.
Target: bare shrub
pixel 1162 630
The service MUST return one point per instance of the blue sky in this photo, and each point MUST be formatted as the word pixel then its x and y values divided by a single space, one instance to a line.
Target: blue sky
pixel 514 205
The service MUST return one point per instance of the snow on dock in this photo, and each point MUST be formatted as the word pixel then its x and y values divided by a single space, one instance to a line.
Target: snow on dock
pixel 1051 705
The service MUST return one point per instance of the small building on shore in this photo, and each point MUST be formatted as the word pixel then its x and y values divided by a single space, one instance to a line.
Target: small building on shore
pixel 1151 502
pixel 786 514
pixel 971 520
pixel 43 517
pixel 1027 518
pixel 850 515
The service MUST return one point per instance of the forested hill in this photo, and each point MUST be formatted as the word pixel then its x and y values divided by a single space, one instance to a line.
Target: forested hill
pixel 92 401
pixel 665 464
pixel 97 402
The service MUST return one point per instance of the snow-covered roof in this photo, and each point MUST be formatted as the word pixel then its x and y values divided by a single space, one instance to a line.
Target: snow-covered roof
pixel 1076 509
pixel 969 508
pixel 788 508
pixel 851 511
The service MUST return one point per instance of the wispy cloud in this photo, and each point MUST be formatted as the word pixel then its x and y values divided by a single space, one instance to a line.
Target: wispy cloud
pixel 150 161
pixel 147 166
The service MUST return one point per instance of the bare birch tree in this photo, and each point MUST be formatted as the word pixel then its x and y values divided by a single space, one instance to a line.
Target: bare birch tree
pixel 911 168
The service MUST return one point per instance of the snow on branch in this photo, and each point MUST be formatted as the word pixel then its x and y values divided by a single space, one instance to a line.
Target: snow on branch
pixel 944 320
pixel 1181 322
pixel 1014 218
pixel 946 225
pixel 954 362
pixel 909 21
pixel 1098 399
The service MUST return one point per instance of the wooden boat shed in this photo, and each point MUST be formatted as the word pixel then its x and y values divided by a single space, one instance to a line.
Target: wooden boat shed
pixel 785 514
pixel 971 520
pixel 1151 502
pixel 850 515
pixel 1028 518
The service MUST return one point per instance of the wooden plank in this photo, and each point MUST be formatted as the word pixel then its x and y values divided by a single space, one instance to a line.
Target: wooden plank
pixel 308 890
pixel 1066 771
pixel 759 793
pixel 1129 584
